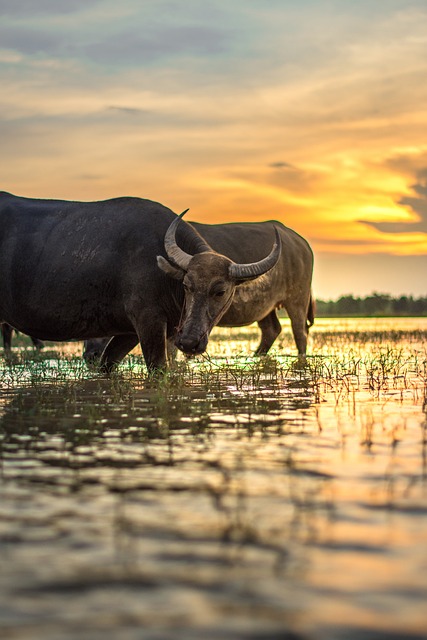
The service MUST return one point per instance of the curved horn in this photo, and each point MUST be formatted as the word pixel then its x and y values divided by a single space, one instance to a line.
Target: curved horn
pixel 177 255
pixel 255 269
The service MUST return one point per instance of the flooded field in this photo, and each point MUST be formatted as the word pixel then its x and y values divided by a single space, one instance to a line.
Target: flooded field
pixel 237 498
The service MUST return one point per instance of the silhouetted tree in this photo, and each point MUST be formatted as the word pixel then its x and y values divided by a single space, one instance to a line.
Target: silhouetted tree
pixel 377 304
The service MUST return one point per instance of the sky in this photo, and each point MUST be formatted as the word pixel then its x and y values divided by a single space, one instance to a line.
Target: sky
pixel 313 113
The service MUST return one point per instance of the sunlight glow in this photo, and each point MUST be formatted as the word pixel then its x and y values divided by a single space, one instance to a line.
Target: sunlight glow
pixel 227 111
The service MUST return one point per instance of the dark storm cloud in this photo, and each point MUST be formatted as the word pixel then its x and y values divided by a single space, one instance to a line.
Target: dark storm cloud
pixel 417 203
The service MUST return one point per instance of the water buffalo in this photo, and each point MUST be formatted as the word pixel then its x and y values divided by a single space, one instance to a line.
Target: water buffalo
pixel 80 270
pixel 288 285
pixel 228 292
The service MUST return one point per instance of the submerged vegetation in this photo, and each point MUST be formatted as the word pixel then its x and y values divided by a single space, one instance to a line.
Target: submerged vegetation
pixel 342 362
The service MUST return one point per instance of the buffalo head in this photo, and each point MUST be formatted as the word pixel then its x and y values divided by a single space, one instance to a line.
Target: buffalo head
pixel 209 280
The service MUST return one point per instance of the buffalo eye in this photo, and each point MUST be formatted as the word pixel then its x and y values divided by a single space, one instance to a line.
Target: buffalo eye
pixel 219 293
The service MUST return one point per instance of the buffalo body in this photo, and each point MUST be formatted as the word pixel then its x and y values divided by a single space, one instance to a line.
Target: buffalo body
pixel 80 270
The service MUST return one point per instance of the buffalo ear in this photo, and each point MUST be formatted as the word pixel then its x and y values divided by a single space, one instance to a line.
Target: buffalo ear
pixel 171 270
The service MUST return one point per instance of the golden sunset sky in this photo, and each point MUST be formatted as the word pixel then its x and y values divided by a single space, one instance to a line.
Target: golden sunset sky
pixel 313 113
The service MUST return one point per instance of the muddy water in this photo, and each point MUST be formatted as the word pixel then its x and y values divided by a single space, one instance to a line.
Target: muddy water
pixel 235 500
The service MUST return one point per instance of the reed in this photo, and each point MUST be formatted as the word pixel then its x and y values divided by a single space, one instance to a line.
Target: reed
pixel 342 365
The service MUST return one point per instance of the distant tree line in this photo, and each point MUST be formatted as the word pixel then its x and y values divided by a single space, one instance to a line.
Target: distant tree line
pixel 377 304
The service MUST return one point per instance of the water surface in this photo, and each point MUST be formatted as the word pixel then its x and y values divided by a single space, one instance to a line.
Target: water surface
pixel 236 499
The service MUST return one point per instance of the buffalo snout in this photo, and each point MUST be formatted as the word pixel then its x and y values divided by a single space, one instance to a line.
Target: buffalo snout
pixel 191 345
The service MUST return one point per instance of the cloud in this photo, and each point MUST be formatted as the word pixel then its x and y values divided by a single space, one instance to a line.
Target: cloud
pixel 127 111
pixel 343 243
pixel 28 8
pixel 103 34
pixel 281 165
pixel 135 46
pixel 29 41
pixel 111 97
pixel 417 204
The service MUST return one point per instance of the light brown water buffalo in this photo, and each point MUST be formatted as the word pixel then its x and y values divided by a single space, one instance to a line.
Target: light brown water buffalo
pixel 287 285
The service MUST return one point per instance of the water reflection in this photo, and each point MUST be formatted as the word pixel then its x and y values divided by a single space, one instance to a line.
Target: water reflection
pixel 232 502
pixel 144 489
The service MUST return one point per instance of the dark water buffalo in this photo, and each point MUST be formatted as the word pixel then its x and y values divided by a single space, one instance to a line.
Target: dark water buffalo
pixel 287 285
pixel 80 270
pixel 7 331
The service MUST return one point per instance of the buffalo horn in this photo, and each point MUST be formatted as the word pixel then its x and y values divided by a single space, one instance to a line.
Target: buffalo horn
pixel 177 255
pixel 255 269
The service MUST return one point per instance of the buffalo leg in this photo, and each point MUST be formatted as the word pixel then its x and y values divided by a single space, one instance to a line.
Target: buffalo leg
pixel 38 344
pixel 298 317
pixel 116 350
pixel 171 350
pixel 7 331
pixel 154 345
pixel 270 329
pixel 93 348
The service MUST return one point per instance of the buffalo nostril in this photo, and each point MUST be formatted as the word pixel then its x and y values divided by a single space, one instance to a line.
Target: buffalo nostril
pixel 190 345
pixel 186 345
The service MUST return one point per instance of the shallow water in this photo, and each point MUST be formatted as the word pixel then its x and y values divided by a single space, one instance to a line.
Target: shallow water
pixel 234 500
